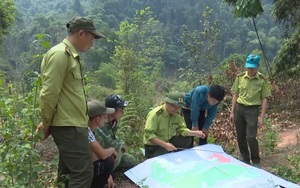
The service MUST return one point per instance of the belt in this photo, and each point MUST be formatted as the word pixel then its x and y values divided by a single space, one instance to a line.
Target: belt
pixel 250 106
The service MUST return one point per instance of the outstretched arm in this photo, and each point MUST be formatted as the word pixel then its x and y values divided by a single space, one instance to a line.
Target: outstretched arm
pixel 196 133
pixel 166 145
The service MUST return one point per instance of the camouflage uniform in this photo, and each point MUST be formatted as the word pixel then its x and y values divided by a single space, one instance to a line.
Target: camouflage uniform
pixel 106 137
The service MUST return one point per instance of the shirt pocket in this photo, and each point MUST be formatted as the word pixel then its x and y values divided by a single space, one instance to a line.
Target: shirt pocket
pixel 74 81
pixel 242 89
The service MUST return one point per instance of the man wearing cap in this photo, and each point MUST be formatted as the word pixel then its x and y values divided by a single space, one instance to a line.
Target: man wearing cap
pixel 106 135
pixel 201 107
pixel 103 159
pixel 165 130
pixel 63 102
pixel 250 91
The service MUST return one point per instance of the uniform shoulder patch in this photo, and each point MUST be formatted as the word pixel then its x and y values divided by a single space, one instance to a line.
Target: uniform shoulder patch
pixel 241 74
pixel 262 76
pixel 160 111
pixel 67 50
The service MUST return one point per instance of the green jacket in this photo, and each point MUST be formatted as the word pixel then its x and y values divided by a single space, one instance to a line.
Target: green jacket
pixel 62 97
pixel 160 124
pixel 251 91
pixel 106 137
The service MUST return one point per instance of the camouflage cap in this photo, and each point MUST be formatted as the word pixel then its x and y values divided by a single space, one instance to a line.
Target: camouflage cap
pixel 83 23
pixel 175 98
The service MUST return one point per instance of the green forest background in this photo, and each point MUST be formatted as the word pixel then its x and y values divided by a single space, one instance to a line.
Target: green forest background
pixel 152 47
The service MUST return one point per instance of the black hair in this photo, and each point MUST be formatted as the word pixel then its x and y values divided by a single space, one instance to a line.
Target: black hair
pixel 217 92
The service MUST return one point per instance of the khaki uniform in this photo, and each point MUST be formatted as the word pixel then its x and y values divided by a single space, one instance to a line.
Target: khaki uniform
pixel 251 92
pixel 161 125
pixel 64 108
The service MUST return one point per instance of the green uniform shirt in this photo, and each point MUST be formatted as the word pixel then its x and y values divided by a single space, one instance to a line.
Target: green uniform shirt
pixel 251 91
pixel 62 97
pixel 160 124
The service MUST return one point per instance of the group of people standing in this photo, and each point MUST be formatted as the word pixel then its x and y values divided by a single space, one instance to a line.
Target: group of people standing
pixel 85 131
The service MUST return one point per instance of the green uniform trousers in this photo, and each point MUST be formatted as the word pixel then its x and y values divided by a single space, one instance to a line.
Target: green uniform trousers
pixel 246 120
pixel 178 141
pixel 75 169
pixel 125 161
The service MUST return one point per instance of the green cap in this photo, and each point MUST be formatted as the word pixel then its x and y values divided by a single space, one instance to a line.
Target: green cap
pixel 83 23
pixel 96 108
pixel 175 98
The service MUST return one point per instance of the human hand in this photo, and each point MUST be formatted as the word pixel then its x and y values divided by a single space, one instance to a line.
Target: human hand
pixel 114 154
pixel 231 118
pixel 123 149
pixel 170 147
pixel 195 128
pixel 261 122
pixel 39 127
pixel 46 130
pixel 205 131
pixel 110 182
pixel 199 134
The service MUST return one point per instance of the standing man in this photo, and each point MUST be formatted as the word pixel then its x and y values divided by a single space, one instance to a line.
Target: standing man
pixel 106 135
pixel 201 108
pixel 165 130
pixel 250 91
pixel 63 103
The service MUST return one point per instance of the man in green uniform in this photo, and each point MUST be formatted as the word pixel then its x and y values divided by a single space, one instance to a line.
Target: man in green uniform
pixel 106 135
pixel 250 91
pixel 165 130
pixel 63 103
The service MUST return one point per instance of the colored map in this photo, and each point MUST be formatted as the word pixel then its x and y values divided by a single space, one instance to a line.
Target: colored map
pixel 204 167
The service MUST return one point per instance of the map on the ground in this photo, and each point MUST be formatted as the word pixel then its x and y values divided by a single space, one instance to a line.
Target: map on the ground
pixel 204 166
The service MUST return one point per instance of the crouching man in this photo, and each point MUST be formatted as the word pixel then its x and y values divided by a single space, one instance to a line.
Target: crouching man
pixel 165 130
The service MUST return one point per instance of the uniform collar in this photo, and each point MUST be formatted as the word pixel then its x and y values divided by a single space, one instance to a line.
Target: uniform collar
pixel 164 107
pixel 70 48
pixel 165 112
pixel 256 75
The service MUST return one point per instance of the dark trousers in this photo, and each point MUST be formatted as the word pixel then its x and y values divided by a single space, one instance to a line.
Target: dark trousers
pixel 246 120
pixel 201 121
pixel 178 141
pixel 102 170
pixel 75 166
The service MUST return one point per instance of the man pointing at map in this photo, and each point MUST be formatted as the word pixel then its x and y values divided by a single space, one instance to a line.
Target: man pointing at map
pixel 165 130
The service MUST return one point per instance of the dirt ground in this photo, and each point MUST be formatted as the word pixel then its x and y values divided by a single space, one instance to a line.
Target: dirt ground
pixel 289 143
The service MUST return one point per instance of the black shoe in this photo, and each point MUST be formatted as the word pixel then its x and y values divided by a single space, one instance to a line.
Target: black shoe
pixel 246 161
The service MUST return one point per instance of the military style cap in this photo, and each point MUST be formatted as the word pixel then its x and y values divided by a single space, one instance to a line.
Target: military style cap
pixel 115 101
pixel 252 61
pixel 96 108
pixel 83 23
pixel 175 98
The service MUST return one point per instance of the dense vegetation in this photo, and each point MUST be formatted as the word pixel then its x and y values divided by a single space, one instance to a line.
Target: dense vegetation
pixel 152 47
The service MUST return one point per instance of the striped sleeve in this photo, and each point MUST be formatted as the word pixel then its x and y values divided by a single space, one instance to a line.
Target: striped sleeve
pixel 91 136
